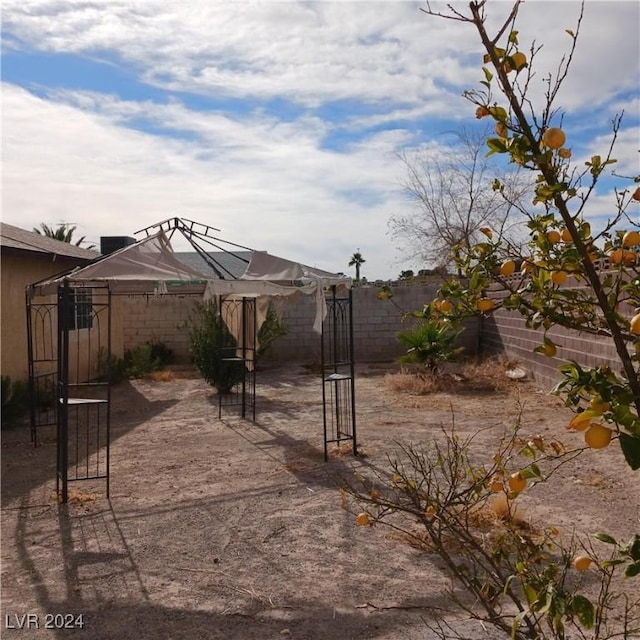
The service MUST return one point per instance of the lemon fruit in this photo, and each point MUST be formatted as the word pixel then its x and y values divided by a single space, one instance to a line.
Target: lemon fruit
pixel 599 405
pixel 507 268
pixel 582 563
pixel 553 236
pixel 616 256
pixel 566 235
pixel 597 436
pixel 485 304
pixel 554 138
pixel 446 306
pixel 519 60
pixel 516 482
pixel 631 239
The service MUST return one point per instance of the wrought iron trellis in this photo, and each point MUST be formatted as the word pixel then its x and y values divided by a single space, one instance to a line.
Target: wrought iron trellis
pixel 69 371
pixel 338 371
pixel 237 361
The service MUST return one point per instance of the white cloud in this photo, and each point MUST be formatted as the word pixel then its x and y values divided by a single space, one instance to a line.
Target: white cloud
pixel 77 156
pixel 270 187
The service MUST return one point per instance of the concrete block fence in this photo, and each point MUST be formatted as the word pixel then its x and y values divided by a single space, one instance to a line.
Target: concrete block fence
pixel 376 323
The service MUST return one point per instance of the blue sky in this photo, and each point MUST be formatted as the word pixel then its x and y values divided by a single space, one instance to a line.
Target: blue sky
pixel 278 122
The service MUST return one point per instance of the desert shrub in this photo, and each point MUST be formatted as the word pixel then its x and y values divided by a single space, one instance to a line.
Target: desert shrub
pixel 429 343
pixel 161 352
pixel 211 341
pixel 109 367
pixel 140 361
pixel 272 328
pixel 15 400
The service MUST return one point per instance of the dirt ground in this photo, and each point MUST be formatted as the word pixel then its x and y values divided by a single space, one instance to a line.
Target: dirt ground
pixel 233 530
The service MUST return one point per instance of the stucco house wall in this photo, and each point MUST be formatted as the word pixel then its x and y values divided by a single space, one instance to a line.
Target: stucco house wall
pixel 27 257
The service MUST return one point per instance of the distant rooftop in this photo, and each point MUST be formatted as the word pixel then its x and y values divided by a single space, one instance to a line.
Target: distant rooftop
pixel 22 240
pixel 230 265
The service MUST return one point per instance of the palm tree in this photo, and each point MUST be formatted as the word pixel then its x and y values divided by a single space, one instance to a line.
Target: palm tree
pixel 357 260
pixel 64 233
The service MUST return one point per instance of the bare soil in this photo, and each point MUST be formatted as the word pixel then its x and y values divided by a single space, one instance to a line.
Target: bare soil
pixel 232 529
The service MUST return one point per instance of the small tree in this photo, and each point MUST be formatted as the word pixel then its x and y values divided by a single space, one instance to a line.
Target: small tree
pixel 211 340
pixel 453 197
pixel 561 246
pixel 64 233
pixel 357 260
pixel 525 590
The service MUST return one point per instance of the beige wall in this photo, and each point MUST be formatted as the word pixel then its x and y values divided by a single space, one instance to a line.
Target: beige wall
pixel 18 271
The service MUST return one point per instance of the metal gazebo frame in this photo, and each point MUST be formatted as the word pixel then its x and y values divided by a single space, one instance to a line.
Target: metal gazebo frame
pixel 70 372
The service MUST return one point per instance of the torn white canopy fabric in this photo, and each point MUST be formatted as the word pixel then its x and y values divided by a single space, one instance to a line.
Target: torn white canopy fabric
pixel 149 261
pixel 149 265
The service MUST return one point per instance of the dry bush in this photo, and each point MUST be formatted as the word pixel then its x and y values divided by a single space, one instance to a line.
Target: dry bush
pixel 488 374
pixel 162 376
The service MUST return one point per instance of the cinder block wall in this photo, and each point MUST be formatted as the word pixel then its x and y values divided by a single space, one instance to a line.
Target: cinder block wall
pixel 506 332
pixel 375 323
pixel 157 320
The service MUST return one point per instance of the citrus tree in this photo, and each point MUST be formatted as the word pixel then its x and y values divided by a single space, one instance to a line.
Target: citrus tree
pixel 566 274
pixel 527 583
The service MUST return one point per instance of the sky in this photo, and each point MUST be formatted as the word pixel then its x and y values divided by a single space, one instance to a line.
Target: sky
pixel 279 123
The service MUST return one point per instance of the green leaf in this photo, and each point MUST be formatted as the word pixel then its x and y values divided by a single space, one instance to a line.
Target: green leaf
pixel 605 537
pixel 487 74
pixel 530 593
pixel 632 570
pixel 496 145
pixel 513 37
pixel 584 611
pixel 630 446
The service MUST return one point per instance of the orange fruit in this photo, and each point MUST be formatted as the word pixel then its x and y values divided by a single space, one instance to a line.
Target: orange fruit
pixel 363 519
pixel 582 563
pixel 597 436
pixel 564 153
pixel 634 325
pixel 485 304
pixel 629 258
pixel 565 235
pixel 516 482
pixel 507 268
pixel 549 349
pixel 631 239
pixel 559 277
pixel 553 236
pixel 495 484
pixel 554 138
